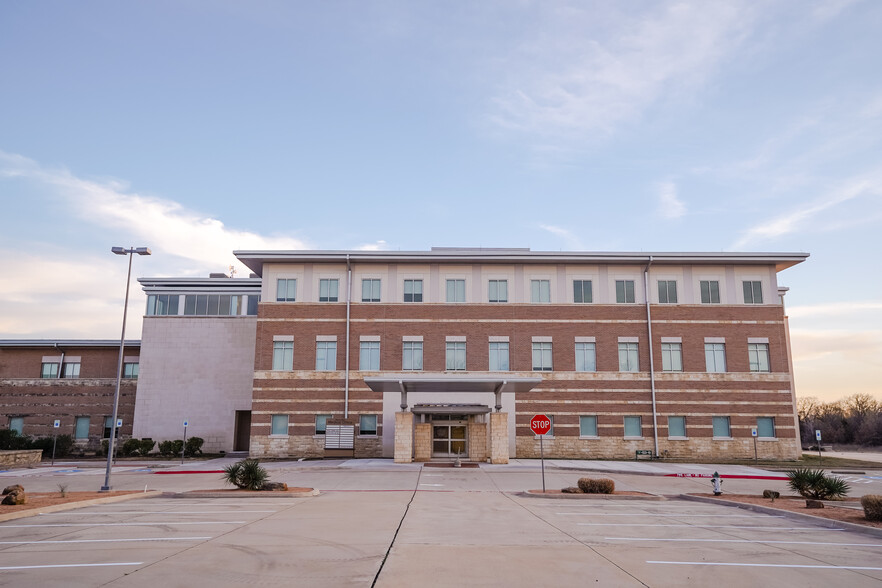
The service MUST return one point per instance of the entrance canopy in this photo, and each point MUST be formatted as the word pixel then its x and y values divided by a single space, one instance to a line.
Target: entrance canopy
pixel 465 409
pixel 445 382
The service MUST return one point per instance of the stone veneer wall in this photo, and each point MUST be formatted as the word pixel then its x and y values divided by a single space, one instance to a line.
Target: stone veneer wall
pixel 368 447
pixel 612 448
pixel 477 440
pixel 21 458
pixel 499 437
pixel 422 442
pixel 287 446
pixel 403 437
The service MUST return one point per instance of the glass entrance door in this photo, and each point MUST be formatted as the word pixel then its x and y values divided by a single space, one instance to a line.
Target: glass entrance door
pixel 448 440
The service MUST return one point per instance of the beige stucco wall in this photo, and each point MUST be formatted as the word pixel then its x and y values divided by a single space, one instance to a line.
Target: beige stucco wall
pixel 198 369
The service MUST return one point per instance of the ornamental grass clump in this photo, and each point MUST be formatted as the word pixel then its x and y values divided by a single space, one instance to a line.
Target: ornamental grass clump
pixel 599 486
pixel 816 485
pixel 872 504
pixel 247 474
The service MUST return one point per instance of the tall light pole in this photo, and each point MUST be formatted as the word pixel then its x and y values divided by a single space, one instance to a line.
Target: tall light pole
pixel 122 342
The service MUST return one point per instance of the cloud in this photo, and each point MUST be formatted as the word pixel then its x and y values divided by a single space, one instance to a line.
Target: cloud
pixel 798 219
pixel 164 225
pixel 572 241
pixel 603 69
pixel 834 309
pixel 669 205
pixel 380 245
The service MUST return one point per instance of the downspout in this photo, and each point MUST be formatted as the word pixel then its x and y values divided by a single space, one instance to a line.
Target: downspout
pixel 651 359
pixel 348 304
pixel 61 363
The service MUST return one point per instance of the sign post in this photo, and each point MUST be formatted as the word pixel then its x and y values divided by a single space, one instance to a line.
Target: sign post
pixel 818 440
pixel 116 436
pixel 184 448
pixel 540 425
pixel 753 434
pixel 55 426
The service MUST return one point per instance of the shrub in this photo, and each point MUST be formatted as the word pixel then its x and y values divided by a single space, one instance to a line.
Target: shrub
pixel 599 486
pixel 771 494
pixel 872 504
pixel 11 440
pixel 167 448
pixel 247 474
pixel 130 447
pixel 194 446
pixel 145 446
pixel 63 445
pixel 816 485
pixel 571 490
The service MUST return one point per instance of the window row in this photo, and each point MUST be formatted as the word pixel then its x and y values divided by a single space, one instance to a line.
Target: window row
pixel 49 370
pixel 80 430
pixel 202 304
pixel 499 356
pixel 497 291
pixel 367 424
pixel 633 426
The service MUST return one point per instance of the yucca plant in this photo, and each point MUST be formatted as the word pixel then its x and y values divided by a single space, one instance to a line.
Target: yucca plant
pixel 815 484
pixel 247 474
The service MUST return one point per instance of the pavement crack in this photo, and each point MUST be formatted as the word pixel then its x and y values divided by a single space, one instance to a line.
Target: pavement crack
pixel 400 523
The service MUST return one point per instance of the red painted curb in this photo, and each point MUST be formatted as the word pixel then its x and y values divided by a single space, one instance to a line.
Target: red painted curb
pixel 193 472
pixel 727 476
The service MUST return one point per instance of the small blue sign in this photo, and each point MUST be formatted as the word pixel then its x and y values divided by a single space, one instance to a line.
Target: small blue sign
pixel 818 434
pixel 186 423
pixel 56 424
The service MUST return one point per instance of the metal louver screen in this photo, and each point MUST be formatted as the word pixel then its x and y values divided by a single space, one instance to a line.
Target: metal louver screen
pixel 339 436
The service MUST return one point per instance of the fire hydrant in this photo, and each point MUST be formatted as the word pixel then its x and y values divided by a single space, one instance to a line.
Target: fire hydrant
pixel 717 481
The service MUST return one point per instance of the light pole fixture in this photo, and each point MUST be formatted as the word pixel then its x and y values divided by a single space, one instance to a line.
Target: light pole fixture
pixel 122 343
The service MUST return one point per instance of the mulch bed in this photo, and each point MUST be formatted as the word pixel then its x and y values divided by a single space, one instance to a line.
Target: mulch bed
pixel 44 499
pixel 797 504
pixel 449 465
pixel 551 492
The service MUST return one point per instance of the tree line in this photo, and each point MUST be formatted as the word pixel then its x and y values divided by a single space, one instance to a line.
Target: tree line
pixel 855 420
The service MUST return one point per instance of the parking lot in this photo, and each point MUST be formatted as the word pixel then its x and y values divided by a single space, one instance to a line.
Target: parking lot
pixel 405 526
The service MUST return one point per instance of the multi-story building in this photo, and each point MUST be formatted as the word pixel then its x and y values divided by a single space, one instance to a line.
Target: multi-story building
pixel 72 381
pixel 197 360
pixel 421 355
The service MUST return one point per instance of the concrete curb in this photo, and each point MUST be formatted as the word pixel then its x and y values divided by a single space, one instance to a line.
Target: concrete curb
pixel 247 495
pixel 807 518
pixel 9 516
pixel 602 497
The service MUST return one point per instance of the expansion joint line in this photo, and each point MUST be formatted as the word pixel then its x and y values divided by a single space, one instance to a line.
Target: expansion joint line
pixel 400 523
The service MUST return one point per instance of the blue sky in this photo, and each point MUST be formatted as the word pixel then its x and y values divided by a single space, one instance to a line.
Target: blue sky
pixel 197 128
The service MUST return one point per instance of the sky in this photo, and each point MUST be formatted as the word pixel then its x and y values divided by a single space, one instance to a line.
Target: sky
pixel 197 128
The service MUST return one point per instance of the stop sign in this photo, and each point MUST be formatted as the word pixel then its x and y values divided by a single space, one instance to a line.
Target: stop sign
pixel 540 424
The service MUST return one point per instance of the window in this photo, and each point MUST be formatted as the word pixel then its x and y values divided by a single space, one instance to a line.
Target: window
pixel 676 426
pixel 715 357
pixel 542 357
pixel 283 355
pixel 413 355
pixel 218 304
pixel 370 290
pixel 108 428
pixel 498 291
pixel 162 305
pixel 321 423
pixel 765 427
pixel 710 291
pixel 130 370
pixel 540 291
pixel 667 291
pixel 72 370
pixel 369 356
pixel 672 357
pixel 624 291
pixel 498 357
pixel 286 290
pixel 753 292
pixel 16 424
pixel 721 427
pixel 588 426
pixel 582 293
pixel 413 290
pixel 367 424
pixel 49 370
pixel 279 424
pixel 455 290
pixel 633 426
pixel 629 361
pixel 328 290
pixel 456 355
pixel 758 354
pixel 325 356
pixel 81 427
pixel 586 360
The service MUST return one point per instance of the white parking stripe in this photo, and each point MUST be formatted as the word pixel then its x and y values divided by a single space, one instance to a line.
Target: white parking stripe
pixel 704 526
pixel 759 565
pixel 745 541
pixel 124 524
pixel 105 540
pixel 677 516
pixel 89 565
pixel 162 512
